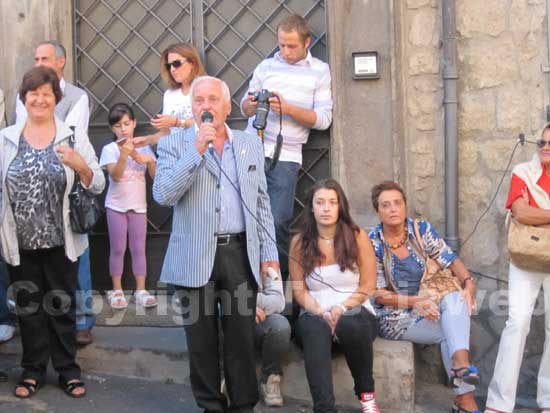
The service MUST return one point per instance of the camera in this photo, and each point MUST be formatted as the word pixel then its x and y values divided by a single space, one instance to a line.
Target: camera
pixel 262 110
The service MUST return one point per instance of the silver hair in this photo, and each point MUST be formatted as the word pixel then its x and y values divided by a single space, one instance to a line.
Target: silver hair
pixel 225 89
pixel 59 49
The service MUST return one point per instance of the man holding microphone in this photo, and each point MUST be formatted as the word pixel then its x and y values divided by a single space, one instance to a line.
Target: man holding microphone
pixel 221 243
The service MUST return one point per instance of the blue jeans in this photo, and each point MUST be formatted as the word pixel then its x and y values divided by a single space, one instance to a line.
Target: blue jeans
pixel 452 332
pixel 6 317
pixel 85 317
pixel 272 337
pixel 281 186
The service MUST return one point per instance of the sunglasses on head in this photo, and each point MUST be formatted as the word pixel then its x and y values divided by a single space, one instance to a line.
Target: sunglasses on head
pixel 176 63
pixel 541 143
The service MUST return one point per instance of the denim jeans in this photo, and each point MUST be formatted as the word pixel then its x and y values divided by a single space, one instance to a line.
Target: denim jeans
pixel 356 330
pixel 452 332
pixel 281 186
pixel 85 317
pixel 272 337
pixel 6 317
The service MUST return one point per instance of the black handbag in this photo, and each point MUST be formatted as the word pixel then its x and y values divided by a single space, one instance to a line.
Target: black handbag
pixel 84 207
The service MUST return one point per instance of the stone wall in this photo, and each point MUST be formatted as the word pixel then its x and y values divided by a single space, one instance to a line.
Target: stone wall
pixel 24 24
pixel 502 48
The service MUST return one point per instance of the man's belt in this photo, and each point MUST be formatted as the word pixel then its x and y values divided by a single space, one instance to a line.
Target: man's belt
pixel 226 239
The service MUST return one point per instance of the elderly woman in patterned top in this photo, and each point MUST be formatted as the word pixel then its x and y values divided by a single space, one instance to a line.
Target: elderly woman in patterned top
pixel 406 315
pixel 41 251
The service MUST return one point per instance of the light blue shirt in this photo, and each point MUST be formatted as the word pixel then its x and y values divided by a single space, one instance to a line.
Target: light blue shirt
pixel 230 205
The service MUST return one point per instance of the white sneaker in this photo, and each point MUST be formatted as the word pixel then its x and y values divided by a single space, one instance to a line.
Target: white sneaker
pixel 271 391
pixel 368 403
pixel 6 332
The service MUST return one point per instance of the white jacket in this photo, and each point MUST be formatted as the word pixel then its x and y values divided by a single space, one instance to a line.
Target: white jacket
pixel 75 244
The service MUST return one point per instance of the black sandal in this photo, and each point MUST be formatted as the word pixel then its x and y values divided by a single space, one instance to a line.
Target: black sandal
pixel 69 388
pixel 468 375
pixel 31 388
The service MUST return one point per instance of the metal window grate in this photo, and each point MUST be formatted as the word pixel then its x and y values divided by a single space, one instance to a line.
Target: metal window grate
pixel 117 48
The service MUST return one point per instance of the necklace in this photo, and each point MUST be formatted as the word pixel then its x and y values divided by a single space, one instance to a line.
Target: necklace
pixel 401 241
pixel 327 240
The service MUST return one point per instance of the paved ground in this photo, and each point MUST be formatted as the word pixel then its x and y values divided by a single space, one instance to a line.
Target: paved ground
pixel 111 394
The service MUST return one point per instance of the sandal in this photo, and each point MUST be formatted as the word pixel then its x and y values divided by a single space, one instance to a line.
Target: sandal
pixel 116 298
pixel 69 388
pixel 144 299
pixel 32 388
pixel 459 409
pixel 468 375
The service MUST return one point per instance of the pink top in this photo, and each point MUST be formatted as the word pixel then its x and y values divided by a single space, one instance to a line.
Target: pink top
pixel 129 193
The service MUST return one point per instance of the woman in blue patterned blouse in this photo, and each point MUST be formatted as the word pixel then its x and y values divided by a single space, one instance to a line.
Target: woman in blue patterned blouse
pixel 406 315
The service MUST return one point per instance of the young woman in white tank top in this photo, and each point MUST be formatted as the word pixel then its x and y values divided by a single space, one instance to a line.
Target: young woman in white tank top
pixel 333 270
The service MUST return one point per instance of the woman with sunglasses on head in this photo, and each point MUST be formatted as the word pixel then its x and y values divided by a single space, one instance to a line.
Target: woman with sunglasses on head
pixel 529 203
pixel 180 64
pixel 333 271
pixel 126 204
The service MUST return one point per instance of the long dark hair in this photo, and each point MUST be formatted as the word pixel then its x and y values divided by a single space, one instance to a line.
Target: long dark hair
pixel 345 243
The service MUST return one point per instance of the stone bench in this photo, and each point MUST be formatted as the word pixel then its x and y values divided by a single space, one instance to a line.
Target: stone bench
pixel 393 374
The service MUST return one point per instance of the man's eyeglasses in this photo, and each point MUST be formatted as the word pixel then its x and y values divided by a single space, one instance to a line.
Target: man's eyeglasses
pixel 541 143
pixel 176 64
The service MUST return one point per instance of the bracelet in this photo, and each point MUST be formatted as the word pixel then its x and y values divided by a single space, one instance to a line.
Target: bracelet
pixel 342 307
pixel 465 280
pixel 177 122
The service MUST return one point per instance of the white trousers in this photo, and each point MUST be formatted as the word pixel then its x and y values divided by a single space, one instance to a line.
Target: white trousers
pixel 523 290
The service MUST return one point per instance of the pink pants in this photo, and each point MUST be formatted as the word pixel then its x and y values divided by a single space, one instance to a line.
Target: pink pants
pixel 124 225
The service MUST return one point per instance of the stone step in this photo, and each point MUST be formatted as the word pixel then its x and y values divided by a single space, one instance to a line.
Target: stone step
pixel 160 354
pixel 130 343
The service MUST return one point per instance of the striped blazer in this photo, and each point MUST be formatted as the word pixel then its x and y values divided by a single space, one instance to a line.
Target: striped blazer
pixel 189 182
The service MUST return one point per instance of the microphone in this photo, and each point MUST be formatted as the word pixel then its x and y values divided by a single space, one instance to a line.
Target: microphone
pixel 207 117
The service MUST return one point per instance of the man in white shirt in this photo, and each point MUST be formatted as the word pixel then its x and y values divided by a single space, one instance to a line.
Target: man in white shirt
pixel 74 110
pixel 301 85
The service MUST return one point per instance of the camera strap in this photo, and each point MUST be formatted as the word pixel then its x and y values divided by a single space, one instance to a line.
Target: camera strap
pixel 276 153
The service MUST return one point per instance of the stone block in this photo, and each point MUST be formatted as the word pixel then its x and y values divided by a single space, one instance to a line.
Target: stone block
pixel 485 17
pixel 426 123
pixel 416 4
pixel 468 153
pixel 519 19
pixel 428 364
pixel 393 373
pixel 423 28
pixel 496 153
pixel 422 103
pixel 489 62
pixel 427 84
pixel 476 111
pixel 424 62
pixel 422 146
pixel 475 193
pixel 512 108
